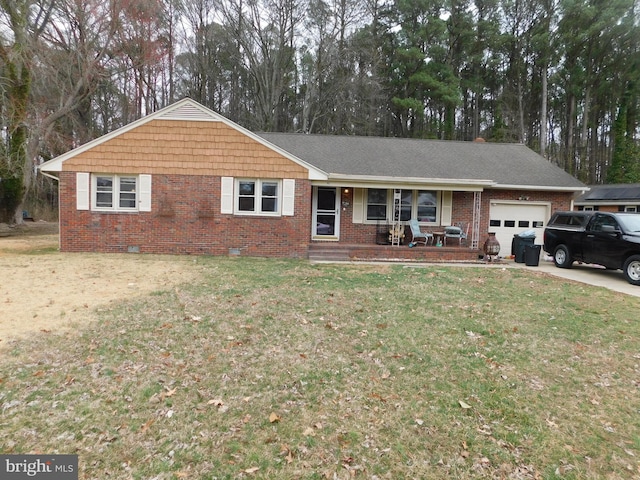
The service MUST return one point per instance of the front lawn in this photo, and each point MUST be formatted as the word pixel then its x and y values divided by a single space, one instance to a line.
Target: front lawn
pixel 282 369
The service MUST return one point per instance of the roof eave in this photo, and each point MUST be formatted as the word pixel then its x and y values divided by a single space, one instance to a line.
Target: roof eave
pixel 627 201
pixel 51 176
pixel 368 181
pixel 548 188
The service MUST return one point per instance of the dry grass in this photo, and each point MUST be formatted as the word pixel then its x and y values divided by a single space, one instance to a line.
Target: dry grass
pixel 281 369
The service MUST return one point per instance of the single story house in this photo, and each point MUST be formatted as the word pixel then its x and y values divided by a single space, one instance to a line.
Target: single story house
pixel 186 180
pixel 610 198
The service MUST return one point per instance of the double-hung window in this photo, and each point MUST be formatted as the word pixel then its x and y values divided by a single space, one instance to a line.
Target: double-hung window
pixel 427 206
pixel 115 192
pixel 406 204
pixel 257 196
pixel 377 204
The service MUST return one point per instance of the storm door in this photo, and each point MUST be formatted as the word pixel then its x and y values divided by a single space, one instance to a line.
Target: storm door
pixel 326 213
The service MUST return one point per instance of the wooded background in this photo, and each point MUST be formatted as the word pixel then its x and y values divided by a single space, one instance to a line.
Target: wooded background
pixel 560 76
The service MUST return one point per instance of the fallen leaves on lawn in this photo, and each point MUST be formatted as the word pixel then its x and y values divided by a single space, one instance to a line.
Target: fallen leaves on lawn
pixel 216 402
pixel 147 425
pixel 274 417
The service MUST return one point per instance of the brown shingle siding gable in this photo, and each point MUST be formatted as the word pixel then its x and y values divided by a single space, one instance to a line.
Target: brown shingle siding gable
pixel 185 148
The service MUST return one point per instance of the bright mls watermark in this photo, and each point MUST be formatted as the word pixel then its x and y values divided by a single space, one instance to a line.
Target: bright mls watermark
pixel 46 467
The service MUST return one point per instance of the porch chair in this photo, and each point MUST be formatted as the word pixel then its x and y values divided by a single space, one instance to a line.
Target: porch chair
pixel 418 236
pixel 459 231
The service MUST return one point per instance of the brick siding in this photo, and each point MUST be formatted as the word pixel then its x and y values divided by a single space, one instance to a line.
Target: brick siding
pixel 185 218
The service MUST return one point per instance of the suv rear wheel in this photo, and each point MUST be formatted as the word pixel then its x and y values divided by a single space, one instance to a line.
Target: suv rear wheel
pixel 562 257
pixel 631 269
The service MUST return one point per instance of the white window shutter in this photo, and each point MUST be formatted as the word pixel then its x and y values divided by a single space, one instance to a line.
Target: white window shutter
pixel 447 206
pixel 226 195
pixel 145 193
pixel 82 191
pixel 358 205
pixel 288 196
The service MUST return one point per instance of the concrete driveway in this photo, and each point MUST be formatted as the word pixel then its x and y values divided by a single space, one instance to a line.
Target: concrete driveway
pixel 589 274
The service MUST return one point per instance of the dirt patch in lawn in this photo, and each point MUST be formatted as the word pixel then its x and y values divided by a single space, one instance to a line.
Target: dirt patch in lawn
pixel 45 291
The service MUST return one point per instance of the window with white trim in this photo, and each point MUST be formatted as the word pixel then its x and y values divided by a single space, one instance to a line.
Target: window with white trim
pixel 406 204
pixel 258 197
pixel 114 192
pixel 419 204
pixel 427 206
pixel 377 204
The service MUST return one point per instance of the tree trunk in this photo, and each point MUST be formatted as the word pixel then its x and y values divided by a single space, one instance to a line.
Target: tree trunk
pixel 569 154
pixel 543 113
pixel 583 147
pixel 521 128
pixel 16 166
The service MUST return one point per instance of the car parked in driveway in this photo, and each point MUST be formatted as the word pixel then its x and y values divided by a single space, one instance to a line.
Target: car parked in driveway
pixel 608 239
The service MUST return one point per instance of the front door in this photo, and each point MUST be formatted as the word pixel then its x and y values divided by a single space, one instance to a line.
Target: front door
pixel 326 213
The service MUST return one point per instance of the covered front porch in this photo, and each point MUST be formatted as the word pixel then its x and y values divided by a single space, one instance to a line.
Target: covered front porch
pixel 332 251
pixel 369 223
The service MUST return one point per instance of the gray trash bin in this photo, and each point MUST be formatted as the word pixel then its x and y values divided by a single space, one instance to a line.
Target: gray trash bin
pixel 532 255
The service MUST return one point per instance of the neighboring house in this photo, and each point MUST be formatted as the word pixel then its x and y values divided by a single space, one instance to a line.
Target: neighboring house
pixel 187 180
pixel 610 198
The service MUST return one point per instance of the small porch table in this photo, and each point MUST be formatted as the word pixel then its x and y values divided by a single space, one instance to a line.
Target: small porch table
pixel 438 238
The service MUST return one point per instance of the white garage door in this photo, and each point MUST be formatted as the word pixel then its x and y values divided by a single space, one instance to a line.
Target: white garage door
pixel 509 219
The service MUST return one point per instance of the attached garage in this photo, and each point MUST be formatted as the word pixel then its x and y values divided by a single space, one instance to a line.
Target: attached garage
pixel 507 219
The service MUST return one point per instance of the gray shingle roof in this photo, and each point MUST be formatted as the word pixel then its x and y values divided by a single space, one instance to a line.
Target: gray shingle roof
pixel 505 164
pixel 611 193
